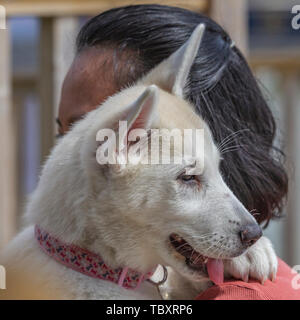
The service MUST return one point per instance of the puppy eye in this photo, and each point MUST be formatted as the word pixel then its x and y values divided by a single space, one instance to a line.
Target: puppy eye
pixel 187 178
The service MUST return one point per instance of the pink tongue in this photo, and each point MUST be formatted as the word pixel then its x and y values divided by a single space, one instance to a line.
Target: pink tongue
pixel 215 269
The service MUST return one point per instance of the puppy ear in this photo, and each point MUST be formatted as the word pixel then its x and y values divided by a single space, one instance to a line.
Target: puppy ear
pixel 172 73
pixel 140 114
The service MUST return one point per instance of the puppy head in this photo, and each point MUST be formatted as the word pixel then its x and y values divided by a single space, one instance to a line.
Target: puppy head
pixel 164 203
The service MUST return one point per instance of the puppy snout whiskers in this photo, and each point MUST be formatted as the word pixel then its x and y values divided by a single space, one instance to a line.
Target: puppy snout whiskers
pixel 250 234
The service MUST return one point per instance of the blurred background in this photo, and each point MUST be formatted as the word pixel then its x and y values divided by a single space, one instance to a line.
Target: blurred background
pixel 37 47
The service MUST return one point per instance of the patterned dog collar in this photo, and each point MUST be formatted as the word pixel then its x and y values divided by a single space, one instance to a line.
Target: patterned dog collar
pixel 86 262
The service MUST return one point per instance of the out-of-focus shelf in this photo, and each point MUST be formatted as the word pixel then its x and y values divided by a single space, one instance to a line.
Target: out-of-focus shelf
pixel 87 7
pixel 284 59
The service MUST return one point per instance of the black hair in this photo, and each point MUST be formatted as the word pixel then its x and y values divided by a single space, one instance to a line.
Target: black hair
pixel 221 87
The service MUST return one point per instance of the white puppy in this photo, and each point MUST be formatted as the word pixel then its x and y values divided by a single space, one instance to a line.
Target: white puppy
pixel 137 215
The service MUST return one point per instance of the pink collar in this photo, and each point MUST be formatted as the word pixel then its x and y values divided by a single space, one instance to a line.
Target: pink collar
pixel 88 263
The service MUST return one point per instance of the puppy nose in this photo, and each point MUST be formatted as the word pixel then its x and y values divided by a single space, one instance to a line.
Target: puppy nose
pixel 250 234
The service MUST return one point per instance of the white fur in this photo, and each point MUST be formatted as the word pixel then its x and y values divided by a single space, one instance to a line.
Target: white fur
pixel 125 213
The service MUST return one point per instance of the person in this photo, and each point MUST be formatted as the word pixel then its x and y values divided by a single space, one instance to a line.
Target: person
pixel 119 46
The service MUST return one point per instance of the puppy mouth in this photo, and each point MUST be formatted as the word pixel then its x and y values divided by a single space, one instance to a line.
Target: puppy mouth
pixel 209 267
pixel 193 259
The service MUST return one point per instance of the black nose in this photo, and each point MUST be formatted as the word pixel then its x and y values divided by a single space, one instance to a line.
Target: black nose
pixel 250 234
